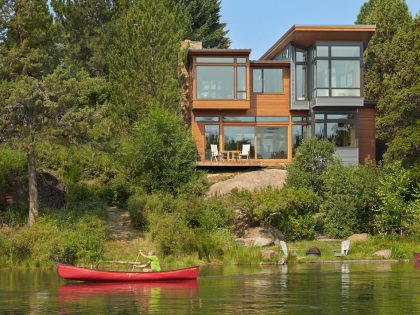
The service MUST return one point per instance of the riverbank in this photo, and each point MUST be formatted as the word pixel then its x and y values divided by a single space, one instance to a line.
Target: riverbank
pixel 402 249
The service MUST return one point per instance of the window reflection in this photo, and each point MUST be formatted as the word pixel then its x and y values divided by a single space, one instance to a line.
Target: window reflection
pixel 272 142
pixel 215 82
pixel 211 137
pixel 343 134
pixel 235 137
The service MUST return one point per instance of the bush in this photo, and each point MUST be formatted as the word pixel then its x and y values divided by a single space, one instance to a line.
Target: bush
pixel 357 184
pixel 47 242
pixel 161 153
pixel 311 160
pixel 12 163
pixel 398 209
pixel 289 209
pixel 82 200
pixel 339 216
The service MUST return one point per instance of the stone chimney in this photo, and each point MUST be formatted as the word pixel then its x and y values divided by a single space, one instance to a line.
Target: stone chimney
pixel 186 97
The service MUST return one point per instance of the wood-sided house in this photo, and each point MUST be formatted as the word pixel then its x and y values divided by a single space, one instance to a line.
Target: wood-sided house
pixel 309 83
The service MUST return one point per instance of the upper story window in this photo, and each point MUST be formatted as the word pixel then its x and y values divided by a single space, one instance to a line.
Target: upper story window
pixel 337 70
pixel 301 74
pixel 267 80
pixel 221 78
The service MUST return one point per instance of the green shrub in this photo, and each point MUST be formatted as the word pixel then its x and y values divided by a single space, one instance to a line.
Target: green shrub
pixel 14 217
pixel 309 163
pixel 12 163
pixel 357 184
pixel 47 242
pixel 398 208
pixel 136 207
pixel 161 153
pixel 339 216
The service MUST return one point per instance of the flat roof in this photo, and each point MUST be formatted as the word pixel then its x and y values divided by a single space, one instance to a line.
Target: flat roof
pixel 206 51
pixel 307 35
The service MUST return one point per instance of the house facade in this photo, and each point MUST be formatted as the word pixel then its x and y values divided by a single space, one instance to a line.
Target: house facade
pixel 308 84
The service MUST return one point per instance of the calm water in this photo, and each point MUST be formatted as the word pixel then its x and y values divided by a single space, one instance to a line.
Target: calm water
pixel 299 289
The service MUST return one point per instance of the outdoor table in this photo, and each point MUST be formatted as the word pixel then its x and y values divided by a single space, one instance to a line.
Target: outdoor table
pixel 231 154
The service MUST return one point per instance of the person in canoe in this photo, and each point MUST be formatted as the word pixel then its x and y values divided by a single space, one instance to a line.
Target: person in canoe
pixel 153 262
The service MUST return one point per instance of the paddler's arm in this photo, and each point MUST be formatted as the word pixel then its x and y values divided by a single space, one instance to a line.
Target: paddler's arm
pixel 145 256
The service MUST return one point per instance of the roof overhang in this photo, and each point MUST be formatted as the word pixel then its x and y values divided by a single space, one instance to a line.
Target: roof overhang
pixel 307 35
pixel 220 52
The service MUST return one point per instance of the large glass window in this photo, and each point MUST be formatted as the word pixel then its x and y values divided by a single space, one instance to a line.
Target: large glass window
pixel 235 137
pixel 337 71
pixel 267 81
pixel 339 128
pixel 345 75
pixel 272 142
pixel 215 82
pixel 211 137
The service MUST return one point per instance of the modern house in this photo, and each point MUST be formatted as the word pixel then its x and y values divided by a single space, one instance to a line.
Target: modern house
pixel 309 83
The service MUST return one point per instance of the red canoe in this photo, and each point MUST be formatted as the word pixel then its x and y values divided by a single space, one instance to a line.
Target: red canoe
pixel 83 274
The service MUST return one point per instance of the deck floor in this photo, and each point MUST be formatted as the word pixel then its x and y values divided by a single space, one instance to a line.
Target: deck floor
pixel 241 163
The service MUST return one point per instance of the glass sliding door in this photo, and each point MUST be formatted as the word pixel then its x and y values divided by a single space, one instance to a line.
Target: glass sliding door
pixel 235 136
pixel 211 137
pixel 272 143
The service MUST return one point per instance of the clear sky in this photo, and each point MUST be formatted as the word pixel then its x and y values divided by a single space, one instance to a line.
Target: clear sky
pixel 258 24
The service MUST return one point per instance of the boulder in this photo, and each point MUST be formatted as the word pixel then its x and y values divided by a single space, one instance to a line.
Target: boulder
pixel 359 237
pixel 313 251
pixel 268 253
pixel 383 253
pixel 260 236
pixel 250 181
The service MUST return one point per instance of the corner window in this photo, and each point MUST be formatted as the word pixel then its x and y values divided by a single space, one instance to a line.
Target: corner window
pixel 267 80
pixel 301 75
pixel 337 71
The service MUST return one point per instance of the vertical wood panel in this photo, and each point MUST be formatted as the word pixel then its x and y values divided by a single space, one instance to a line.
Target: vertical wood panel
pixel 367 146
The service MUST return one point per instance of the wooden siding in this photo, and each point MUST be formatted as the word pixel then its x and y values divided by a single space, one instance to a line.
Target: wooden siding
pixel 367 146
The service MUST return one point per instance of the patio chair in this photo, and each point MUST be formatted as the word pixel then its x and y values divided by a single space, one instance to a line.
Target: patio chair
pixel 246 148
pixel 214 152
pixel 345 247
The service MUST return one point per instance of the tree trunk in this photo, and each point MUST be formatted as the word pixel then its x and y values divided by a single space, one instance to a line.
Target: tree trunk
pixel 32 185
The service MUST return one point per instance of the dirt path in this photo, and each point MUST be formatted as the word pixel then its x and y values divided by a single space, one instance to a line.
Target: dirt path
pixel 120 225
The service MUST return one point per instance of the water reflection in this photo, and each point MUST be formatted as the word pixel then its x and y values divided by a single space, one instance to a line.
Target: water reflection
pixel 145 296
pixel 291 289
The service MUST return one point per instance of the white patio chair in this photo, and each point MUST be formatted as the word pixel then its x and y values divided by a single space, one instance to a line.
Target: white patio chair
pixel 246 148
pixel 345 247
pixel 214 152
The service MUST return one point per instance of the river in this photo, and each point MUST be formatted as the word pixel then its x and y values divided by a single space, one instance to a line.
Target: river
pixel 381 288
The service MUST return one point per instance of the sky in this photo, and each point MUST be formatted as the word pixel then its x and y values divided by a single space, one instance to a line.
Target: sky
pixel 258 24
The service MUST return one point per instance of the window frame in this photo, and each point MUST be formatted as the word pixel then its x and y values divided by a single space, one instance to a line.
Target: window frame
pixel 330 58
pixel 262 80
pixel 234 64
pixel 325 120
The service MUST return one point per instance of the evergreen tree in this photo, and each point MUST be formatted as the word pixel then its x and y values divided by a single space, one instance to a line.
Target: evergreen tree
pixel 392 76
pixel 144 58
pixel 85 25
pixel 27 54
pixel 205 23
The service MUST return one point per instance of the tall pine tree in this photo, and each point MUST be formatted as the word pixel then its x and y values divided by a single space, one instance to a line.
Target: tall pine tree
pixel 144 58
pixel 205 23
pixel 392 76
